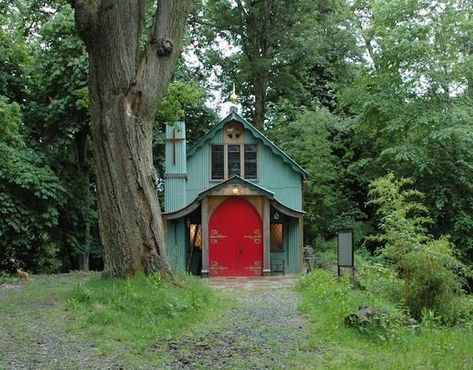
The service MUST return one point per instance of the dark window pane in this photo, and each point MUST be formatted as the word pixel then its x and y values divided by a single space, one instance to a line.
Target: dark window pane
pixel 233 160
pixel 217 162
pixel 250 161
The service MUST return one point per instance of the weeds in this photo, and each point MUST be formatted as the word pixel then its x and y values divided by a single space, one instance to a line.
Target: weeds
pixel 379 332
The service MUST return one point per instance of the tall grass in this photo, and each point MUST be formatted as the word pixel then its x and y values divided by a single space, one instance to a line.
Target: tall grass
pixel 140 310
pixel 394 344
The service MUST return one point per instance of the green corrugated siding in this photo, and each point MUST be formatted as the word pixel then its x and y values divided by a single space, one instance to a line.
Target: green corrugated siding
pixel 175 194
pixel 293 247
pixel 278 177
pixel 273 173
pixel 177 244
pixel 291 250
pixel 175 169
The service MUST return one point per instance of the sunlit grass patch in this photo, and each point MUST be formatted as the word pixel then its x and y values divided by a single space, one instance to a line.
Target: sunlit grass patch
pixel 140 310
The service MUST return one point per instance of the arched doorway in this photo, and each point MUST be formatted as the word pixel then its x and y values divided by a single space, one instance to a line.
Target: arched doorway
pixel 235 240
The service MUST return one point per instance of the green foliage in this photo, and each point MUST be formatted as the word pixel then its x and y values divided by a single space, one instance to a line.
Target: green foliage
pixel 432 283
pixel 57 125
pixel 277 50
pixel 10 122
pixel 30 195
pixel 402 216
pixel 58 109
pixel 412 105
pixel 380 280
pixel 393 344
pixel 343 300
pixel 141 309
pixel 179 94
pixel 429 267
pixel 14 57
pixel 306 139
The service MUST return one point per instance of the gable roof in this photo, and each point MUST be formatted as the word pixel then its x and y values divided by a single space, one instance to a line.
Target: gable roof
pixel 234 116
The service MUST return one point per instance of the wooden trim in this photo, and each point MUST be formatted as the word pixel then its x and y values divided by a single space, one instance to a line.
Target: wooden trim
pixel 301 243
pixel 266 235
pixel 182 212
pixel 205 237
pixel 225 161
pixel 242 161
pixel 286 210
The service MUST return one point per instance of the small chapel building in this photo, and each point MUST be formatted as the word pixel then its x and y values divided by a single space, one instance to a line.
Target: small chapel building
pixel 233 202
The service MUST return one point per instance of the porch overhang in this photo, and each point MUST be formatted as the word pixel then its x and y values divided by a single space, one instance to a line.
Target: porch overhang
pixel 234 186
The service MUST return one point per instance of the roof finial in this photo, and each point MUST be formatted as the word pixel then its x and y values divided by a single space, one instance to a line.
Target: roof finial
pixel 233 98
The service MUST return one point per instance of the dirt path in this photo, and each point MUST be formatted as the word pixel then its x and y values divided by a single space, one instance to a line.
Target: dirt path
pixel 263 331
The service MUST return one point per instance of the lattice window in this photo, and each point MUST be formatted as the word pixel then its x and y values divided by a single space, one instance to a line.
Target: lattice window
pixel 195 235
pixel 277 237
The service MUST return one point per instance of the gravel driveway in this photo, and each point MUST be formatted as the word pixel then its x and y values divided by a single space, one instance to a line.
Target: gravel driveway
pixel 263 331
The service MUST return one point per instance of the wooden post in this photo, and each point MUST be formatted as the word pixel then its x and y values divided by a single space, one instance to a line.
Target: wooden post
pixel 266 237
pixel 205 237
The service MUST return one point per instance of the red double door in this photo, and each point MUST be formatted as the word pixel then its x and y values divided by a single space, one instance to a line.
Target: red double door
pixel 235 240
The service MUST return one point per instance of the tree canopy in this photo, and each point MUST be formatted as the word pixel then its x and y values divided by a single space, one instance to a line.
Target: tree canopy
pixel 352 90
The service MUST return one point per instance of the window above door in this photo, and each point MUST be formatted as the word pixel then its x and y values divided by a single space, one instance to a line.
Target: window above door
pixel 229 160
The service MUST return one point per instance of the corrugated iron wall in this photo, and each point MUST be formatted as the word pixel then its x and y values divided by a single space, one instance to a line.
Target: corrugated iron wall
pixel 177 244
pixel 175 176
pixel 273 173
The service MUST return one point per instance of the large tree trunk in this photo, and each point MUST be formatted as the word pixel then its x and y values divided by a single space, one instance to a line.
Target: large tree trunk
pixel 83 174
pixel 126 87
pixel 260 85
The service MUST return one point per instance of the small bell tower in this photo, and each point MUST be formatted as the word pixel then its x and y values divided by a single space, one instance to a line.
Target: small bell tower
pixel 175 175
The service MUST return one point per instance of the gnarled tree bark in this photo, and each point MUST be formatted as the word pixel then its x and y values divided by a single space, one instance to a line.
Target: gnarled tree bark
pixel 126 86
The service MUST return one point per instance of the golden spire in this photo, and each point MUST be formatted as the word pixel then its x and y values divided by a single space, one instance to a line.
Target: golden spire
pixel 233 98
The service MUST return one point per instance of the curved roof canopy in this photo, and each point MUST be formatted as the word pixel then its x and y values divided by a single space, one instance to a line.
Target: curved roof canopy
pixel 234 186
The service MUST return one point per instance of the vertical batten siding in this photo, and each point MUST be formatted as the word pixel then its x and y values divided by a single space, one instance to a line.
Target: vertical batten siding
pixel 199 169
pixel 278 177
pixel 274 174
pixel 175 196
pixel 177 244
pixel 175 168
pixel 293 247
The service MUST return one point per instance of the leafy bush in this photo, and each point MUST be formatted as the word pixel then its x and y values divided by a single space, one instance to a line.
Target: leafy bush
pixel 379 280
pixel 429 267
pixel 30 196
pixel 387 338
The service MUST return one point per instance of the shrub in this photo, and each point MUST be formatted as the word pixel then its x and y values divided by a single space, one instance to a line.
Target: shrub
pixel 429 267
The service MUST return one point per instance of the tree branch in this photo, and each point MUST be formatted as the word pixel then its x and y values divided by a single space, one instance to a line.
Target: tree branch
pixel 85 13
pixel 163 49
